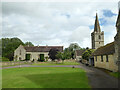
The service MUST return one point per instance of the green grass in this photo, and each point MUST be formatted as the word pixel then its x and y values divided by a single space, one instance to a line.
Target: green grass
pixel 44 77
pixel 115 74
pixel 54 63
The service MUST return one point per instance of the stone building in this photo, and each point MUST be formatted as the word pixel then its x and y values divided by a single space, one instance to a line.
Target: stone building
pixel 117 41
pixel 97 36
pixel 108 56
pixel 104 57
pixel 34 52
pixel 78 54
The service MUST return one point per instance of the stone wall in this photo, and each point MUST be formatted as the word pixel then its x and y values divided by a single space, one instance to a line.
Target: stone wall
pixel 36 55
pixel 19 53
pixel 110 65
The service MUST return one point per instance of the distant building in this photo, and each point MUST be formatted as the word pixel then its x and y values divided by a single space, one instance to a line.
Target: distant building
pixel 78 54
pixel 34 52
pixel 97 36
pixel 108 56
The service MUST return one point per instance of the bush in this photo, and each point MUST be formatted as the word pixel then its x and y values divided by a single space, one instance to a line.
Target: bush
pixel 4 59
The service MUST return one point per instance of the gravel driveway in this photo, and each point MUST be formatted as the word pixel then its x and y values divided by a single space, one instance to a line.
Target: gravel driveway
pixel 97 78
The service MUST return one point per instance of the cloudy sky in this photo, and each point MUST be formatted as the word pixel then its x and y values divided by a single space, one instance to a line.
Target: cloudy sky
pixel 58 23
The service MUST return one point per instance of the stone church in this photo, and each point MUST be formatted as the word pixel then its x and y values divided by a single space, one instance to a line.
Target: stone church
pixel 108 56
pixel 97 36
pixel 34 52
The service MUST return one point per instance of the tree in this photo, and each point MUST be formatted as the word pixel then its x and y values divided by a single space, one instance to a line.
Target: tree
pixel 87 54
pixel 9 45
pixel 61 56
pixel 67 53
pixel 72 47
pixel 28 44
pixel 52 54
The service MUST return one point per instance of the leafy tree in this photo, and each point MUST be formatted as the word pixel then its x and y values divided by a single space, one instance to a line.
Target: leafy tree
pixel 74 46
pixel 52 53
pixel 67 53
pixel 87 54
pixel 61 56
pixel 9 45
pixel 28 44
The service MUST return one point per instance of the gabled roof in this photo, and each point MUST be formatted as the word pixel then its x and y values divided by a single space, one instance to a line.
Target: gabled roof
pixel 105 50
pixel 79 52
pixel 97 25
pixel 42 48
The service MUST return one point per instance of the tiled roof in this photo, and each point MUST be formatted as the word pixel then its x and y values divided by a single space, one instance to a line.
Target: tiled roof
pixel 105 50
pixel 79 52
pixel 42 48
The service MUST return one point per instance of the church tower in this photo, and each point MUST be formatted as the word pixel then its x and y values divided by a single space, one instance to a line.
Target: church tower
pixel 97 36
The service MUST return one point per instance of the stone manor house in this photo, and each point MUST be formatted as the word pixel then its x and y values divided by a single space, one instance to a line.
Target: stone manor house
pixel 34 52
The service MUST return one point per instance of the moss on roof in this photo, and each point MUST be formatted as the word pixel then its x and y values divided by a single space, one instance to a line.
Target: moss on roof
pixel 105 50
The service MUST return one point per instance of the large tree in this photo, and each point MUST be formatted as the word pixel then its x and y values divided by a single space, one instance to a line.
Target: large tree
pixel 87 54
pixel 9 45
pixel 52 53
pixel 72 47
pixel 28 44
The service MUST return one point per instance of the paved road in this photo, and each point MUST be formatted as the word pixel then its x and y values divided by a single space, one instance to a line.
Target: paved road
pixel 97 78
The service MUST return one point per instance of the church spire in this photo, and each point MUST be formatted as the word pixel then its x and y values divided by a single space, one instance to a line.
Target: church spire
pixel 118 20
pixel 97 25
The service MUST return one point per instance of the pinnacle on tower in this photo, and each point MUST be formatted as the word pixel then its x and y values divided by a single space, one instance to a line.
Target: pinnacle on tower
pixel 97 25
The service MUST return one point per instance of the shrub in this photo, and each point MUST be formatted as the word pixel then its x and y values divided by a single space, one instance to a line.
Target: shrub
pixel 4 59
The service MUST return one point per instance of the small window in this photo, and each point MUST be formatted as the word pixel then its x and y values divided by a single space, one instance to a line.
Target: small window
pixel 99 42
pixel 20 52
pixel 101 58
pixel 99 37
pixel 96 58
pixel 106 58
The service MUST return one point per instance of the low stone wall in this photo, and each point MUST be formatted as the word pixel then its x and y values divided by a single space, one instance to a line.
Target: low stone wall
pixel 14 63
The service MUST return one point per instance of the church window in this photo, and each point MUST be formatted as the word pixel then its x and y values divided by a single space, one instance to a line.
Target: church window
pixel 99 37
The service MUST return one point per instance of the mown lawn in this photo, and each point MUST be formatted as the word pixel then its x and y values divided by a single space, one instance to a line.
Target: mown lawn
pixel 55 63
pixel 44 77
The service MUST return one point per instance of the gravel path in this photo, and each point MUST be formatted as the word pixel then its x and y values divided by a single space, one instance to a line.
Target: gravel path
pixel 97 78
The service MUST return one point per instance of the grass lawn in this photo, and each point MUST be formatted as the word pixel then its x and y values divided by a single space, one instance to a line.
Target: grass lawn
pixel 44 77
pixel 115 74
pixel 54 63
